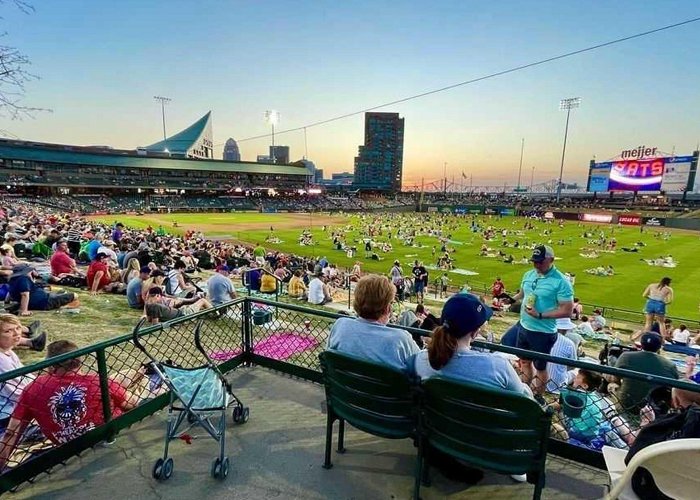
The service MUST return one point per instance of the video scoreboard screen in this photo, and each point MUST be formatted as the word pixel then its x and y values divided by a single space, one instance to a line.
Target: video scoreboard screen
pixel 669 174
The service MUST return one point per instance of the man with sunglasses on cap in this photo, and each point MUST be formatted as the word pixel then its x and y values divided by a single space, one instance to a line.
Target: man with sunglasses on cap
pixel 546 295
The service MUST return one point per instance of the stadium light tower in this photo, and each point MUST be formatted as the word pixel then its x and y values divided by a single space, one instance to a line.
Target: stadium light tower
pixel 568 105
pixel 163 101
pixel 272 117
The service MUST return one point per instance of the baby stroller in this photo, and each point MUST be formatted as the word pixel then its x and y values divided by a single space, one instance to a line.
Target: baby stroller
pixel 197 395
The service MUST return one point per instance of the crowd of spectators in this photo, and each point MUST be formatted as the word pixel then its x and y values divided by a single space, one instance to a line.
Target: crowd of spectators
pixel 156 272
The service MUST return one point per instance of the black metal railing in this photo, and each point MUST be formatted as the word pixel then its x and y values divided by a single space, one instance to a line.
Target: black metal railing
pixel 288 338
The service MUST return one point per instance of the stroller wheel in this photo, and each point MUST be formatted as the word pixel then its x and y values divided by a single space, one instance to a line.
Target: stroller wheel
pixel 241 414
pixel 167 468
pixel 216 468
pixel 157 469
pixel 224 468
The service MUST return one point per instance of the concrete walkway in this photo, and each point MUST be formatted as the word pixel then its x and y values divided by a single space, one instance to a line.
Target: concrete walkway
pixel 278 454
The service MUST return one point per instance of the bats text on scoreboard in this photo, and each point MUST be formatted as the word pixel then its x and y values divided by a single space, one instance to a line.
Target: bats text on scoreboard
pixel 644 168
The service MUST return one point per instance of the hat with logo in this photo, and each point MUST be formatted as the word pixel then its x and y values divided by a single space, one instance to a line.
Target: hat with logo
pixel 651 341
pixel 464 313
pixel 542 252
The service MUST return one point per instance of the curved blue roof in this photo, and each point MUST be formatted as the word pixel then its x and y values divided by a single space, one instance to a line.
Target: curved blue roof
pixel 182 142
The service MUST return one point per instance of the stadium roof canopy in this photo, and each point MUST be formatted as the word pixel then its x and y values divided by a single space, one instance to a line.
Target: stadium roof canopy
pixel 76 155
pixel 182 143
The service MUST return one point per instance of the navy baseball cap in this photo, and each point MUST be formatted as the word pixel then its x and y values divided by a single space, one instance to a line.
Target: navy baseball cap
pixel 145 270
pixel 651 341
pixel 541 253
pixel 464 313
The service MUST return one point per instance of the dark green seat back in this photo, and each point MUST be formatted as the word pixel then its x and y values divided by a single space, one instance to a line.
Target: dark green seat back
pixel 488 428
pixel 371 397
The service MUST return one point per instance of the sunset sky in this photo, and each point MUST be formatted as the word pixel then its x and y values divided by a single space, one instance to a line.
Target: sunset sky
pixel 100 63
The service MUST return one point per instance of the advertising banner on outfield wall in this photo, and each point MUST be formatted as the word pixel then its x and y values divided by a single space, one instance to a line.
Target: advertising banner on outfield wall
pixel 567 215
pixel 653 221
pixel 629 220
pixel 506 211
pixel 603 218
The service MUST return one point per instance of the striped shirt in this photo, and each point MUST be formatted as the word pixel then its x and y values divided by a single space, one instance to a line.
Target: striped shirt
pixel 74 234
pixel 559 374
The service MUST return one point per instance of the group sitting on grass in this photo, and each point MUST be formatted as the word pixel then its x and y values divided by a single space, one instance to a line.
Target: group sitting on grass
pixel 42 249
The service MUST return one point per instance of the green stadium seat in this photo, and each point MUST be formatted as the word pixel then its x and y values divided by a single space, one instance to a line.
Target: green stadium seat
pixel 485 427
pixel 371 397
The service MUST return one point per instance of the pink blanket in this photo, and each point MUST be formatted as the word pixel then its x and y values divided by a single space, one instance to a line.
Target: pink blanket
pixel 277 346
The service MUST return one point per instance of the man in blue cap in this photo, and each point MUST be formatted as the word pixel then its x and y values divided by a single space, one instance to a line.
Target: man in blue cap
pixel 546 295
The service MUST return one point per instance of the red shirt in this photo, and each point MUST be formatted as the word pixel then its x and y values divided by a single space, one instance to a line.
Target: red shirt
pixel 94 268
pixel 61 263
pixel 68 405
pixel 497 288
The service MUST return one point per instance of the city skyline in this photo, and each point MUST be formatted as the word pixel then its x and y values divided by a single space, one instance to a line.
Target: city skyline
pixel 100 85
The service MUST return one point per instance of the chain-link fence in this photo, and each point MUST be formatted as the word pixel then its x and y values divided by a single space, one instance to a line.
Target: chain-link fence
pixel 56 408
pixel 79 397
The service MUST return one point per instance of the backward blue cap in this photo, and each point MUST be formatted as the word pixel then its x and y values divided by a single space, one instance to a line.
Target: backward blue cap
pixel 464 313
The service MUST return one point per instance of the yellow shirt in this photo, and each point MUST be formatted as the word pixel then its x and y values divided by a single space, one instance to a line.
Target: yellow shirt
pixel 268 283
pixel 297 288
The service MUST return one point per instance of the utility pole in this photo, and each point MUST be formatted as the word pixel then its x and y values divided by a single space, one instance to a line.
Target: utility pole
pixel 306 146
pixel 520 168
pixel 163 101
pixel 444 178
pixel 272 117
pixel 568 105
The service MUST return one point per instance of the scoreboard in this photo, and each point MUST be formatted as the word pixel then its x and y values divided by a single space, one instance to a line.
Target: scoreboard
pixel 669 174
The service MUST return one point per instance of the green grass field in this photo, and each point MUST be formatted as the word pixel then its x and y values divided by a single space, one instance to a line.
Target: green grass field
pixel 622 290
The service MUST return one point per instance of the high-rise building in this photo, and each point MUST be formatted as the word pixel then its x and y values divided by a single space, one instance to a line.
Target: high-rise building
pixel 231 152
pixel 318 176
pixel 379 163
pixel 280 154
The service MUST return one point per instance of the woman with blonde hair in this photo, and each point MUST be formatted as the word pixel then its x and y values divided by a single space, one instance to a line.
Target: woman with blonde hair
pixel 132 271
pixel 367 336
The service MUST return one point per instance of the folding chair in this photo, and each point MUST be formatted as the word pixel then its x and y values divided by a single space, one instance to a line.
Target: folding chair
pixel 674 465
